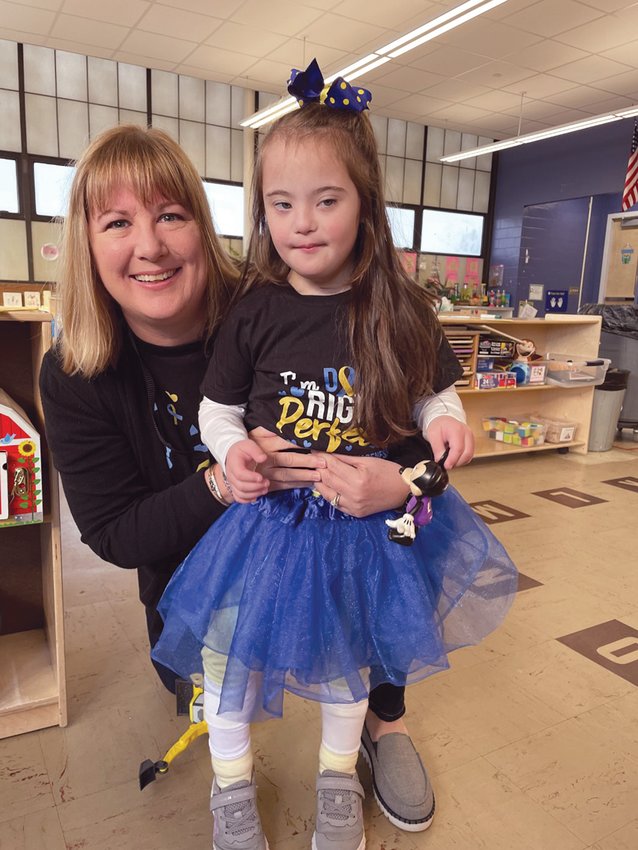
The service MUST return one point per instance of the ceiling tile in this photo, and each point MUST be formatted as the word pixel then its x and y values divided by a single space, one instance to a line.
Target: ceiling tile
pixel 610 104
pixel 491 38
pixel 550 18
pixel 408 79
pixel 610 5
pixel 495 101
pixel 610 31
pixel 26 19
pixel 626 84
pixel 53 5
pixel 213 59
pixel 591 69
pixel 576 98
pixel 144 61
pixel 83 30
pixel 420 104
pixel 343 32
pixel 123 12
pixel 275 73
pixel 218 8
pixel 499 75
pixel 457 89
pixel 449 61
pixel 627 54
pixel 245 40
pixel 283 17
pixel 24 37
pixel 459 112
pixel 160 46
pixel 540 85
pixel 297 54
pixel 388 15
pixel 546 54
pixel 189 26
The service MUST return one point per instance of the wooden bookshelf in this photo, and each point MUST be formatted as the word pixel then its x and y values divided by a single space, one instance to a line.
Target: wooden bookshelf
pixel 574 335
pixel 32 681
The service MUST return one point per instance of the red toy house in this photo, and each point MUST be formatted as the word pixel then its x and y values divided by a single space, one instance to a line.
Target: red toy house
pixel 20 466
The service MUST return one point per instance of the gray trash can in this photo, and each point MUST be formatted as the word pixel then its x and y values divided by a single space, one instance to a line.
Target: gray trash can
pixel 608 399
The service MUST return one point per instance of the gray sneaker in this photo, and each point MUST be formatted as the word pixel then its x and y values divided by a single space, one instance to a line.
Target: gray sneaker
pixel 237 823
pixel 339 824
pixel 400 782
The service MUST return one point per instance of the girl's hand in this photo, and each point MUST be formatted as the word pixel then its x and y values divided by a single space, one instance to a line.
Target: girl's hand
pixel 286 469
pixel 444 433
pixel 365 485
pixel 246 483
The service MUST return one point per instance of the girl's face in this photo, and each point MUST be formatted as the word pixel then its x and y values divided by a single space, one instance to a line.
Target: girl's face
pixel 151 261
pixel 312 211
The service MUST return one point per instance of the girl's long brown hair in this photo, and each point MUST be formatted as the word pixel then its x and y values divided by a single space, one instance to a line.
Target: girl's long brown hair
pixel 392 327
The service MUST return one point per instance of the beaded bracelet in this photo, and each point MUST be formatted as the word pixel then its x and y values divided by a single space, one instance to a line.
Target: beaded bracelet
pixel 213 486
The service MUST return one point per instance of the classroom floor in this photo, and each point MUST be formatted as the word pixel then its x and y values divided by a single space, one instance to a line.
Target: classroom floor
pixel 531 738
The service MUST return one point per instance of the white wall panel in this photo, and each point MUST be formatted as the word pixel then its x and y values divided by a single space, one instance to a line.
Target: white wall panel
pixel 73 121
pixel 164 93
pixel 13 250
pixel 42 125
pixel 71 74
pixel 10 137
pixel 218 153
pixel 132 87
pixel 102 81
pixel 192 99
pixel 39 69
pixel 8 65
pixel 193 139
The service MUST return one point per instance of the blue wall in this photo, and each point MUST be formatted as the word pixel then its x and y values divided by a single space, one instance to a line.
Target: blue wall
pixel 591 162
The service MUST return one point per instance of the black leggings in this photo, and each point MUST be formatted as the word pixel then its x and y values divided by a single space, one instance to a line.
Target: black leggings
pixel 387 701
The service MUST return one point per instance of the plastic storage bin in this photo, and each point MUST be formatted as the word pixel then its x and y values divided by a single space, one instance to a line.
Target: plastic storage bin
pixel 557 430
pixel 573 370
pixel 522 431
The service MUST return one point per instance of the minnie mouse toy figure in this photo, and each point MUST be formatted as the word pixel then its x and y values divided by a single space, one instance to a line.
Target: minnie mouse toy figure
pixel 425 480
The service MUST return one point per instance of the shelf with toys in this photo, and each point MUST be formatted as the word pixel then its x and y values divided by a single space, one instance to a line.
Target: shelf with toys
pixel 32 682
pixel 557 402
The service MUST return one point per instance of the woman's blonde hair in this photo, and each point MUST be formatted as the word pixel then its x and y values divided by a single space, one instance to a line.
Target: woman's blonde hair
pixel 151 165
pixel 393 331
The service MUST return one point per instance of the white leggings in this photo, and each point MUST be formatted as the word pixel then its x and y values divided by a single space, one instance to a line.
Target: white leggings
pixel 229 735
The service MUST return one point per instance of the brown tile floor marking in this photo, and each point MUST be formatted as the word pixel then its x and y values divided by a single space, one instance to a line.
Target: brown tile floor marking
pixel 526 583
pixel 613 645
pixel 627 483
pixel 493 512
pixel 570 498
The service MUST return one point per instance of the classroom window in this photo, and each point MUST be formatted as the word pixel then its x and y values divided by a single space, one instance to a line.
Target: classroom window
pixel 451 233
pixel 52 184
pixel 402 226
pixel 227 208
pixel 9 202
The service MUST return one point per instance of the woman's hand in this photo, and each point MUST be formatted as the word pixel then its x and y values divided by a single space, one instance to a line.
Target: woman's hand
pixel 365 485
pixel 286 469
pixel 444 433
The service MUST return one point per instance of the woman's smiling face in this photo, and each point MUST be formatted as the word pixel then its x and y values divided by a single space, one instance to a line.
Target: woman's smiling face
pixel 151 261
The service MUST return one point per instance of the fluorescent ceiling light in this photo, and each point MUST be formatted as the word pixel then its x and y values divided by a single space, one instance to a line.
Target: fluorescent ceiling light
pixel 561 130
pixel 445 22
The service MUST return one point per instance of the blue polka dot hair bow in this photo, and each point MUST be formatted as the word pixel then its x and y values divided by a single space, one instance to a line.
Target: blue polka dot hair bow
pixel 308 87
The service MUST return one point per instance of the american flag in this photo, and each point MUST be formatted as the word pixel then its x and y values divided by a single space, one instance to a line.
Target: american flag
pixel 630 192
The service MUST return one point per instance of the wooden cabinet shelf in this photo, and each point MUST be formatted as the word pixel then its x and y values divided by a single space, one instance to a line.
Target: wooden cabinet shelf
pixel 564 334
pixel 32 683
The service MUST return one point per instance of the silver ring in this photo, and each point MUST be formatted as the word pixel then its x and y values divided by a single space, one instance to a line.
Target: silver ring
pixel 335 501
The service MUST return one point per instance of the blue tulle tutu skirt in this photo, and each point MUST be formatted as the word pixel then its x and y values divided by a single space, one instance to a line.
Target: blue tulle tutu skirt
pixel 323 605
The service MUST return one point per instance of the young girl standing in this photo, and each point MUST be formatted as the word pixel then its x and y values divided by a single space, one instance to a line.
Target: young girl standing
pixel 334 348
